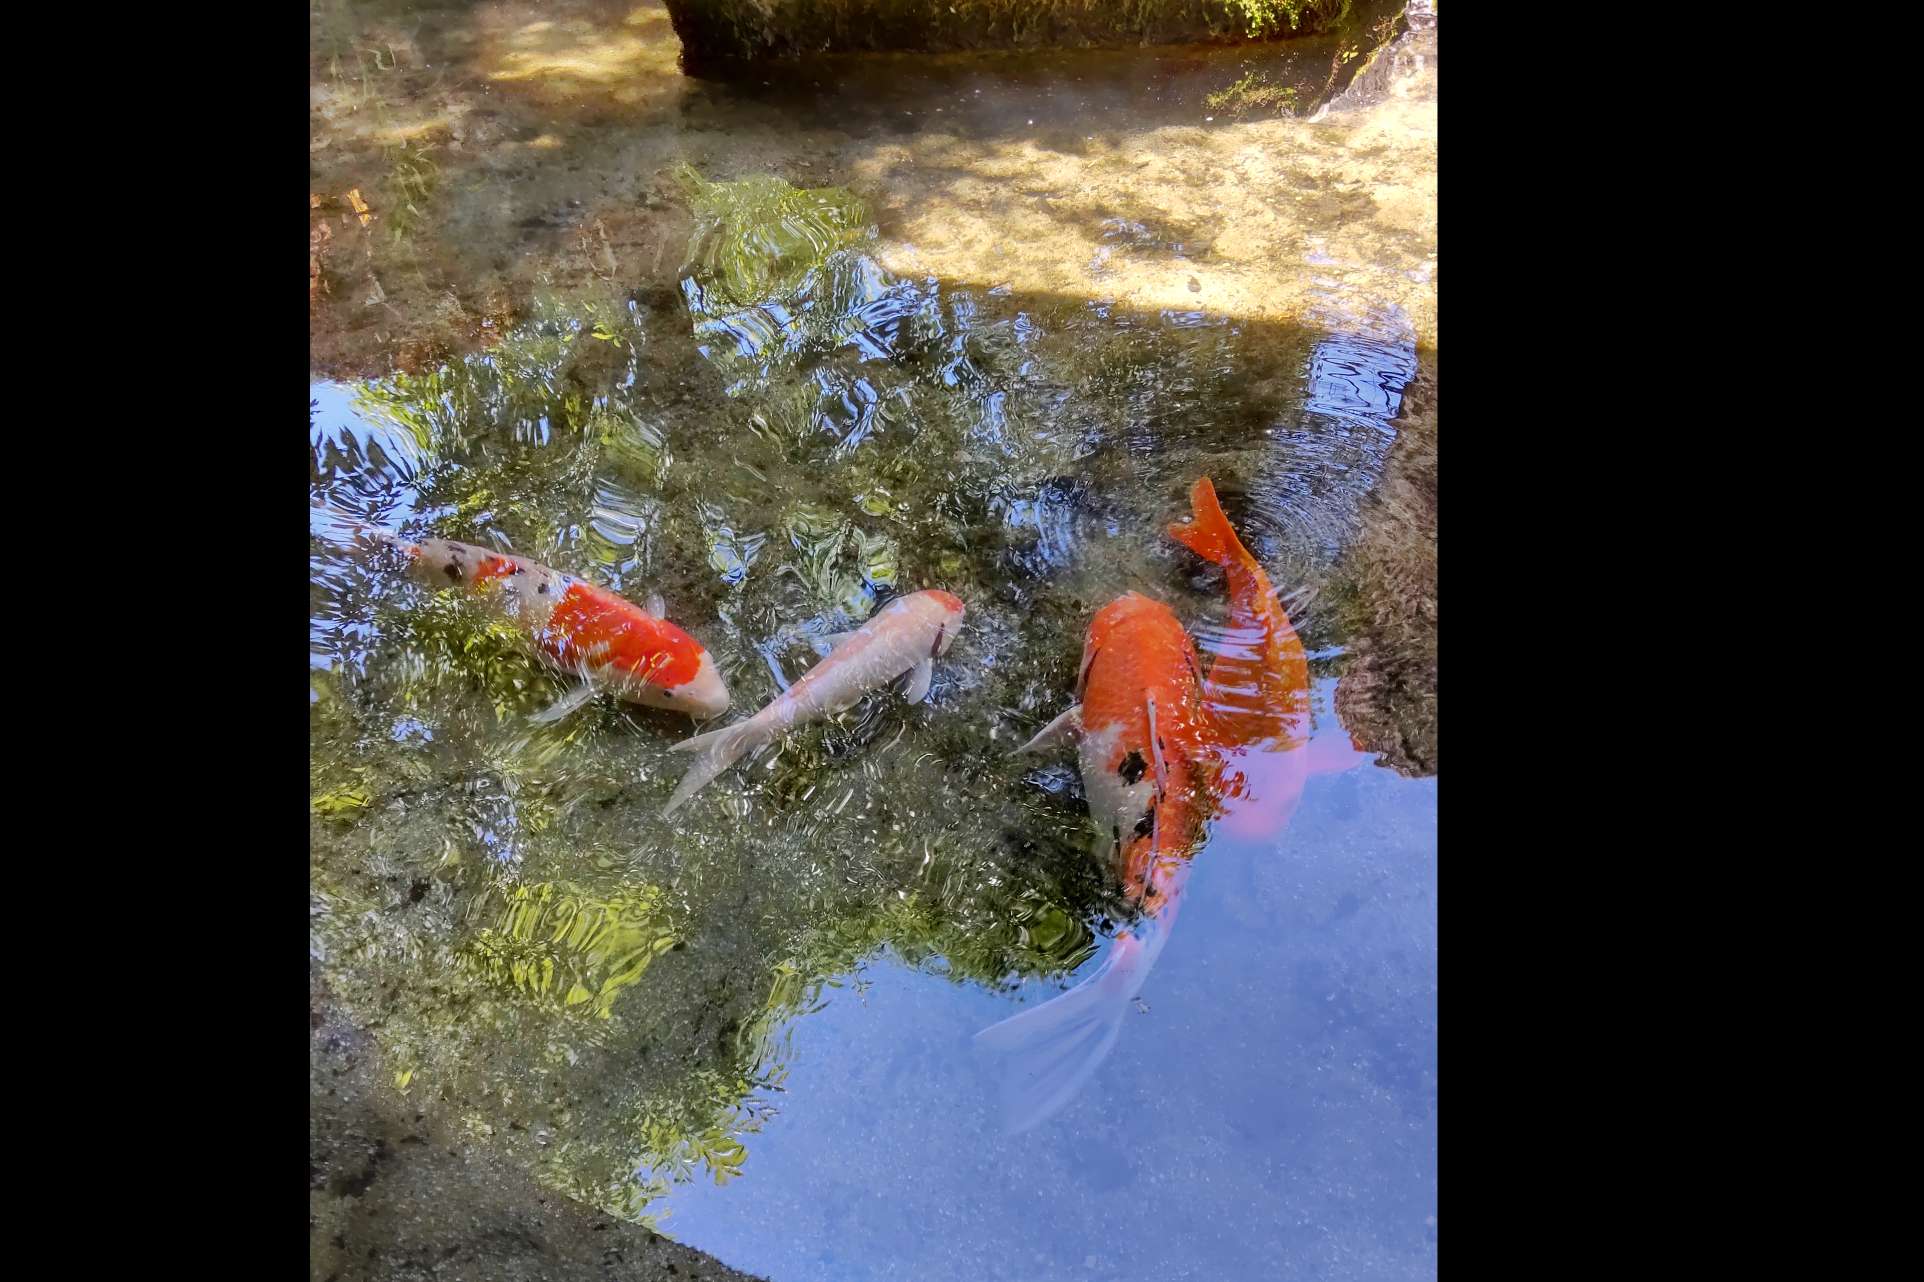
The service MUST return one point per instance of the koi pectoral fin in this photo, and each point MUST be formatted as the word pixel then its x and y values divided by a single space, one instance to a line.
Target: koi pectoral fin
pixel 657 606
pixel 1065 726
pixel 825 644
pixel 919 678
pixel 567 704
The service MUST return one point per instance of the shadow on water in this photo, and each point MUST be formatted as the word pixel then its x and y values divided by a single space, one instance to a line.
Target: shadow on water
pixel 468 157
pixel 794 438
pixel 1062 99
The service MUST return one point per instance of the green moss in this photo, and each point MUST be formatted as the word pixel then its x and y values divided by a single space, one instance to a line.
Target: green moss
pixel 1274 17
pixel 1253 92
pixel 717 31
pixel 412 180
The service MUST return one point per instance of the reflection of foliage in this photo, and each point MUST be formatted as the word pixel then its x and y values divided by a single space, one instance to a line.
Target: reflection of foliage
pixel 843 564
pixel 597 947
pixel 1387 695
pixel 611 994
pixel 698 1129
pixel 519 388
pixel 759 240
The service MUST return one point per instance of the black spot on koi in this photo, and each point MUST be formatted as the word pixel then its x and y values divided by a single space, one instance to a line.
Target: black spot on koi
pixel 1132 767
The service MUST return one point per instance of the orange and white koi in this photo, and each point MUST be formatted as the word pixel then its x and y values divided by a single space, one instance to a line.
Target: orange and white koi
pixel 612 644
pixel 1258 686
pixel 1145 747
pixel 1159 740
pixel 905 636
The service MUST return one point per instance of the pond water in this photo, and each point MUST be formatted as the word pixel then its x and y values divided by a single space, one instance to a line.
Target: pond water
pixel 781 353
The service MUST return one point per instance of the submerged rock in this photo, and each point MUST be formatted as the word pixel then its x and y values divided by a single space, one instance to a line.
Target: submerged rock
pixel 1387 698
pixel 393 1194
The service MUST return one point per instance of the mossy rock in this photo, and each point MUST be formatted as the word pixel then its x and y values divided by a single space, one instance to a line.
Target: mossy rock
pixel 715 33
pixel 1387 697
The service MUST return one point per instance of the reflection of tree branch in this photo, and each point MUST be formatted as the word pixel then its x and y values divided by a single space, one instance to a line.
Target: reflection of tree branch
pixel 887 433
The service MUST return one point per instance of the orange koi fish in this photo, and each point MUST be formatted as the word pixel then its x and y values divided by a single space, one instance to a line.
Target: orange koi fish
pixel 1258 685
pixel 905 636
pixel 612 644
pixel 1145 748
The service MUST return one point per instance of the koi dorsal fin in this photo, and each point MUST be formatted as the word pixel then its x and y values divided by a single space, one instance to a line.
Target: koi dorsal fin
pixel 1082 677
pixel 1155 749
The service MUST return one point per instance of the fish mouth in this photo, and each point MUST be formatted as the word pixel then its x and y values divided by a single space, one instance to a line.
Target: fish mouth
pixel 705 694
pixel 700 709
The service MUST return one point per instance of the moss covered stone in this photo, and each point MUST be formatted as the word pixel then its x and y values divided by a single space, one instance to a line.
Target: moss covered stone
pixel 1387 698
pixel 716 32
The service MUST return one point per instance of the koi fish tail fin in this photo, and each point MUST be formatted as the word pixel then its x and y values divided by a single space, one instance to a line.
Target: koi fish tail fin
pixel 719 750
pixel 1043 1056
pixel 1333 752
pixel 1208 532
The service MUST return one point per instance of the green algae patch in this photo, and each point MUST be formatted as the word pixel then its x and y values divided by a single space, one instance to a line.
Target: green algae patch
pixel 758 239
pixel 552 942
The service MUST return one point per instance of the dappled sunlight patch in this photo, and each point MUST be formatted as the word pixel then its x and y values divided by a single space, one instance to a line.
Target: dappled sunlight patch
pixel 634 61
pixel 1176 218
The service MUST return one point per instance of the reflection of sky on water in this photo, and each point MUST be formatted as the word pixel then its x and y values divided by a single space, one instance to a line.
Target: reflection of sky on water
pixel 370 466
pixel 1353 376
pixel 1272 1114
pixel 374 461
pixel 1331 452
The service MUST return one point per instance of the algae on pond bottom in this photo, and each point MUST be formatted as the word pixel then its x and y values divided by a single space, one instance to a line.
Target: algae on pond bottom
pixel 603 994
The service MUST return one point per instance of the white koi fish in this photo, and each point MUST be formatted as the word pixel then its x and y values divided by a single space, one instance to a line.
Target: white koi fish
pixel 905 636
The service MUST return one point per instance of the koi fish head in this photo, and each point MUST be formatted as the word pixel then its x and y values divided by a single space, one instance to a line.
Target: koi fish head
pixel 950 610
pixel 1141 747
pixel 1130 611
pixel 658 665
pixel 702 696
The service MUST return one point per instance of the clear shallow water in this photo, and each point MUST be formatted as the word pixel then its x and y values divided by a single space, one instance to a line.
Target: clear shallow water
pixel 1271 1113
pixel 791 434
